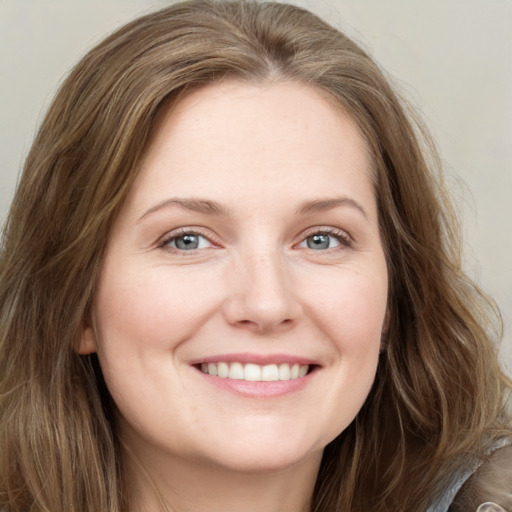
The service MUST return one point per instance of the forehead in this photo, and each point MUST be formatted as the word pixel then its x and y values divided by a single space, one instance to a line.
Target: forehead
pixel 276 138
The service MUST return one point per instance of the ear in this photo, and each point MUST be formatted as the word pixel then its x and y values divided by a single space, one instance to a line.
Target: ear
pixel 87 342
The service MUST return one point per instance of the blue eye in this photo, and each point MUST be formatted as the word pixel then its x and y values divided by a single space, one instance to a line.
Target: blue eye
pixel 321 240
pixel 187 242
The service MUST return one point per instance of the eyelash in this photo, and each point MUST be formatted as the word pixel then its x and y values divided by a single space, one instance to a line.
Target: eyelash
pixel 341 236
pixel 182 232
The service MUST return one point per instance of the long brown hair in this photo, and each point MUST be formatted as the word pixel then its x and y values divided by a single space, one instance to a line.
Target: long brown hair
pixel 438 397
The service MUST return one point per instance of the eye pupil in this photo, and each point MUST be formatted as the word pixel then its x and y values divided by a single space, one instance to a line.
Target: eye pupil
pixel 187 242
pixel 318 241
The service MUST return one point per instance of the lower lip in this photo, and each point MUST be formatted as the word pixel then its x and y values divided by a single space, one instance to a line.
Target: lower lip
pixel 259 389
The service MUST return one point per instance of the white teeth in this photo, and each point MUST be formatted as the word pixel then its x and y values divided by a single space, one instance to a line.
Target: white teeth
pixel 254 372
pixel 284 371
pixel 236 371
pixel 222 370
pixel 270 372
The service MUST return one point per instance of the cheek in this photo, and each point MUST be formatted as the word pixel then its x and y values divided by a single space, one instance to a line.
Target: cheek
pixel 351 308
pixel 151 309
pixel 142 319
pixel 351 317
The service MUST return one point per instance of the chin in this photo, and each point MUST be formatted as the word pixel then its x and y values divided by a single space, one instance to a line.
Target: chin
pixel 266 463
pixel 264 455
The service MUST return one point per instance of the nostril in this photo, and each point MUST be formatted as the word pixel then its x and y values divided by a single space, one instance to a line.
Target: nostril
pixel 248 324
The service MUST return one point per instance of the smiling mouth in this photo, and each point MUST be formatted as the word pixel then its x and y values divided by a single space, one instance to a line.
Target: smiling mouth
pixel 256 373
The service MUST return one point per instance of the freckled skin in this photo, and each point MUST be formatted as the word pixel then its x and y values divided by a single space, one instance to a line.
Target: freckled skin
pixel 253 286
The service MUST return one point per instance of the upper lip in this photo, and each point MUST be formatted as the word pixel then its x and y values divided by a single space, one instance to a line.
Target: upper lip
pixel 259 359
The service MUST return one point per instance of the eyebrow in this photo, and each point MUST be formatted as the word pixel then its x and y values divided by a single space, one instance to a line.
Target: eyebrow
pixel 209 207
pixel 322 205
pixel 205 206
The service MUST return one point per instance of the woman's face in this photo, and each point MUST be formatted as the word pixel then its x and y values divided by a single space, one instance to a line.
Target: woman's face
pixel 242 297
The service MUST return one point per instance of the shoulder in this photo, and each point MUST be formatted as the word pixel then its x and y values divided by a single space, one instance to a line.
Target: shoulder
pixel 479 481
pixel 491 482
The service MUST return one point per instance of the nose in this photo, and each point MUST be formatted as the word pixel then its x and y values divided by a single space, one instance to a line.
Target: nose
pixel 261 295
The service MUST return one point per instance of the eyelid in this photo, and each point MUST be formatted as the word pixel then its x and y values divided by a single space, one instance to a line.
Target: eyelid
pixel 344 238
pixel 183 231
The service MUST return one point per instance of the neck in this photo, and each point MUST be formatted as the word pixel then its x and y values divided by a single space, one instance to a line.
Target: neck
pixel 180 485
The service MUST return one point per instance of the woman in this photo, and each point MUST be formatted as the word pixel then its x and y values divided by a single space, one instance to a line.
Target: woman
pixel 230 280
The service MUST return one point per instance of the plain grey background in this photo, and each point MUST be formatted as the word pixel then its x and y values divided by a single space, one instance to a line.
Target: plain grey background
pixel 452 59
